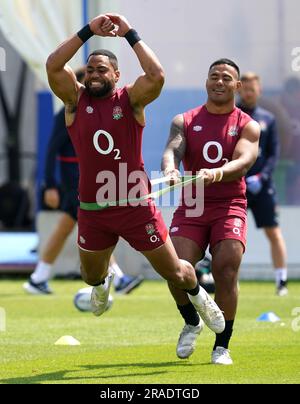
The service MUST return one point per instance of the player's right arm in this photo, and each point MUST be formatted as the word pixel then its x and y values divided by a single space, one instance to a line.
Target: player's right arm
pixel 61 77
pixel 174 150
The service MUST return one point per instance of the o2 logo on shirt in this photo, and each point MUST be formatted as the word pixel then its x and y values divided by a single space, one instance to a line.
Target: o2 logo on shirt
pixel 111 144
pixel 215 146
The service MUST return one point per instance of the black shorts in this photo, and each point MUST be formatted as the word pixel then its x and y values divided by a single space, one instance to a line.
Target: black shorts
pixel 70 203
pixel 264 207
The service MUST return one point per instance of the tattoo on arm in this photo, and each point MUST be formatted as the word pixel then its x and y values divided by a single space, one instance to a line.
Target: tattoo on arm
pixel 177 141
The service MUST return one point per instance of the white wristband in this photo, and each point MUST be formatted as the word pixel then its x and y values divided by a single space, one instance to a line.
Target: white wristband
pixel 221 174
pixel 214 172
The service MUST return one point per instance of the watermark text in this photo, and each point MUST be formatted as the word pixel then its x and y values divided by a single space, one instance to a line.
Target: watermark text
pixel 2 320
pixel 132 188
pixel 296 59
pixel 2 60
pixel 296 321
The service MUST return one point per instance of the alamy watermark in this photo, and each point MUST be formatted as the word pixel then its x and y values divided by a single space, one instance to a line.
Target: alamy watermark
pixel 132 188
pixel 2 319
pixel 2 60
pixel 296 321
pixel 296 59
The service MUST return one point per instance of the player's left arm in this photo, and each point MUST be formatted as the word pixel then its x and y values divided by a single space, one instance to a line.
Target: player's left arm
pixel 245 153
pixel 244 156
pixel 148 86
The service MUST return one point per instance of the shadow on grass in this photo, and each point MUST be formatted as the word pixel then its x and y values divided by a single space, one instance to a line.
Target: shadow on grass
pixel 61 375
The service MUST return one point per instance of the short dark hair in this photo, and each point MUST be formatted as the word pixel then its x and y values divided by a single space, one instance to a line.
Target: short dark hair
pixel 225 61
pixel 104 52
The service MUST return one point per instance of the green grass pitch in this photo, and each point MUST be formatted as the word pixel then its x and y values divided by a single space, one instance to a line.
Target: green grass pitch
pixel 135 341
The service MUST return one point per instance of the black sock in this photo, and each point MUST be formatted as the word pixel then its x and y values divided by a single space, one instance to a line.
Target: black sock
pixel 98 284
pixel 189 314
pixel 224 338
pixel 195 291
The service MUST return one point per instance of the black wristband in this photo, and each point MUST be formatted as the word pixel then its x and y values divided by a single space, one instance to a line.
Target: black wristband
pixel 85 33
pixel 132 37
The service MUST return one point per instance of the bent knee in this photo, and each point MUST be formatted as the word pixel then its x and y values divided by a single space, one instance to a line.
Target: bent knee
pixel 181 275
pixel 177 279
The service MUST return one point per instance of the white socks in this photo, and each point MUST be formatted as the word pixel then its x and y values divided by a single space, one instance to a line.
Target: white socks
pixel 200 298
pixel 42 272
pixel 280 275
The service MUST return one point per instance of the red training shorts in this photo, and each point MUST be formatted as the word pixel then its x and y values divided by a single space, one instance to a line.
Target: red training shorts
pixel 142 227
pixel 218 222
